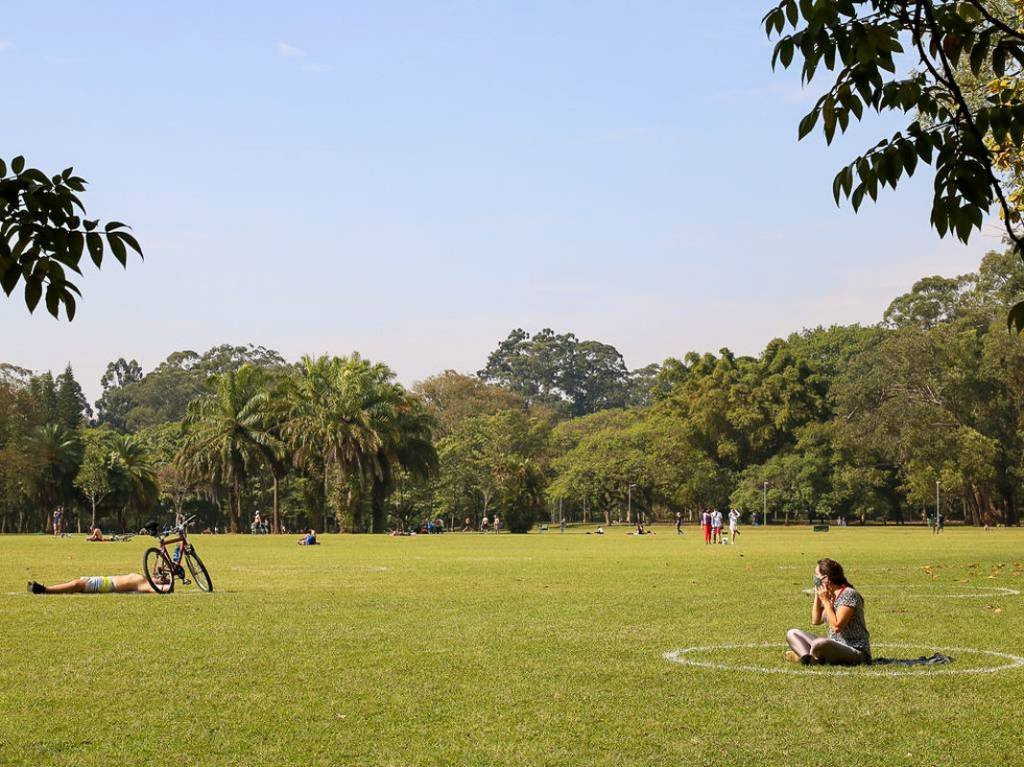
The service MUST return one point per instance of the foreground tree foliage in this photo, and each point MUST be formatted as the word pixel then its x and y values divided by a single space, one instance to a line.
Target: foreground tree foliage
pixel 44 234
pixel 953 67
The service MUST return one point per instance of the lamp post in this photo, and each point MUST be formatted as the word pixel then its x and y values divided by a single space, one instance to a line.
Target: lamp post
pixel 764 514
pixel 936 528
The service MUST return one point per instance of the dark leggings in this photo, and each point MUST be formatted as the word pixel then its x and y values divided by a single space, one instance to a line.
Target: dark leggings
pixel 824 650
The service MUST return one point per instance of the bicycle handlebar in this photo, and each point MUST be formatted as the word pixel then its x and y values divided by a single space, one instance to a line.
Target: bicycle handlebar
pixel 177 528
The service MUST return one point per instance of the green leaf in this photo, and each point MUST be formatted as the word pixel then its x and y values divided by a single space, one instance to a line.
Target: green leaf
pixel 95 245
pixel 130 241
pixel 968 12
pixel 69 304
pixel 999 60
pixel 53 293
pixel 3 169
pixel 1015 319
pixel 33 292
pixel 18 165
pixel 978 54
pixel 837 185
pixel 76 244
pixel 807 124
pixel 792 13
pixel 9 279
pixel 117 248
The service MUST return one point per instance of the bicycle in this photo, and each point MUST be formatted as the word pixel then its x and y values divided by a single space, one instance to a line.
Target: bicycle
pixel 161 568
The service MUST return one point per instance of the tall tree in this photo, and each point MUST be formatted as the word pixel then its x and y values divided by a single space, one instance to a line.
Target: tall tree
pixel 56 453
pixel 227 436
pixel 95 477
pixel 72 406
pixel 135 478
pixel 560 371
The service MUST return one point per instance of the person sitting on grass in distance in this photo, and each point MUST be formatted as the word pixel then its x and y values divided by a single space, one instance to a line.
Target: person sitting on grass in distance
pixel 132 583
pixel 96 535
pixel 309 539
pixel 839 606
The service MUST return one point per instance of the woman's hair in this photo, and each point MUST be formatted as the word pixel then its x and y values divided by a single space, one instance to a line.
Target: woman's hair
pixel 834 571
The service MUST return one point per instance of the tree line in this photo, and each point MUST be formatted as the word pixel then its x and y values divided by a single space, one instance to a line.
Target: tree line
pixel 867 422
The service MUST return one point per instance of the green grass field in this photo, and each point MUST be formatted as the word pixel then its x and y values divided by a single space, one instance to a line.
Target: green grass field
pixel 544 649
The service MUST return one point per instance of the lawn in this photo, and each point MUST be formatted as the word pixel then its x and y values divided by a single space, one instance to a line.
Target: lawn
pixel 545 649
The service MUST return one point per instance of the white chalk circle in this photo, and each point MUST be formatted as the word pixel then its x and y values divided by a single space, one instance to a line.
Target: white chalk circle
pixel 690 656
pixel 977 592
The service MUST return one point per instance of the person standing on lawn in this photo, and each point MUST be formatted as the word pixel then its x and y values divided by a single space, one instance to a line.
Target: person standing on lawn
pixel 734 524
pixel 705 525
pixel 716 526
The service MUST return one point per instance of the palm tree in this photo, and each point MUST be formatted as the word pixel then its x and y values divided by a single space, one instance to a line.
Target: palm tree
pixel 56 455
pixel 229 435
pixel 327 423
pixel 405 430
pixel 135 475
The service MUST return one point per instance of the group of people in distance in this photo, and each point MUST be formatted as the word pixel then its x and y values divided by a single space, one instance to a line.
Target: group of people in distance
pixel 486 525
pixel 711 525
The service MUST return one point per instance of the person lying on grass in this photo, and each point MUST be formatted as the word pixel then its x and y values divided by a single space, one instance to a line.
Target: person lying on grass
pixel 841 607
pixel 132 583
pixel 309 539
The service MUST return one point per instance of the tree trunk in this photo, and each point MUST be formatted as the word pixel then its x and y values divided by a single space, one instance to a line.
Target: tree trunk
pixel 277 524
pixel 234 508
pixel 93 513
pixel 378 499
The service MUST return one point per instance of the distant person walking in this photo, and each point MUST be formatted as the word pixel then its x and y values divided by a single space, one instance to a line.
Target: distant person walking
pixel 679 523
pixel 58 521
pixel 716 526
pixel 940 522
pixel 705 525
pixel 734 524
pixel 497 523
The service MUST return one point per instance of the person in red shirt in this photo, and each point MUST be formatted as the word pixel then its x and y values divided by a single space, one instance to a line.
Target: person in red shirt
pixel 705 525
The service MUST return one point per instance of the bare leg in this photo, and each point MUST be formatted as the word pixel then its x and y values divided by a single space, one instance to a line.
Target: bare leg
pixel 830 651
pixel 800 642
pixel 77 586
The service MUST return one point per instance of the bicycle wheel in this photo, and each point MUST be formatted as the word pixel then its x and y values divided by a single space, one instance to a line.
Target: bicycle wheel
pixel 158 570
pixel 198 570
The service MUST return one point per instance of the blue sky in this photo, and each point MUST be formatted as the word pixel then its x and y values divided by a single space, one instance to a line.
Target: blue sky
pixel 413 180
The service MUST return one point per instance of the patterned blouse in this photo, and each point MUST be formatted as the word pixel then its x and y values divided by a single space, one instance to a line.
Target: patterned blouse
pixel 855 633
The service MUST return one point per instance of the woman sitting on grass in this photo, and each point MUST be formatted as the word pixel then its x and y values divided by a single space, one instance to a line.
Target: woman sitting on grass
pixel 132 583
pixel 839 605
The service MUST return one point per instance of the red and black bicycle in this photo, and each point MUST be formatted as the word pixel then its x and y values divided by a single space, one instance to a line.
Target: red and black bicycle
pixel 162 567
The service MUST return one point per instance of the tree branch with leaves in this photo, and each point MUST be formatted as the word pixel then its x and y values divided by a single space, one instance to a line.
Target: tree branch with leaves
pixel 960 137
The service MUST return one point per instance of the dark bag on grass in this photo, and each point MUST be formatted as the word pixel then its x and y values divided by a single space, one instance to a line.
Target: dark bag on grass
pixel 938 659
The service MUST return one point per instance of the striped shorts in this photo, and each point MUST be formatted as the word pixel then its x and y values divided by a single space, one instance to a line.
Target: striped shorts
pixel 98 584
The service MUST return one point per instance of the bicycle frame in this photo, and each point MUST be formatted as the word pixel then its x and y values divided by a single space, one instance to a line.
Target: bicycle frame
pixel 181 538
